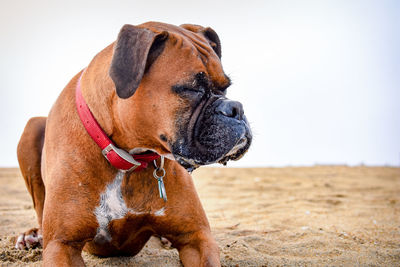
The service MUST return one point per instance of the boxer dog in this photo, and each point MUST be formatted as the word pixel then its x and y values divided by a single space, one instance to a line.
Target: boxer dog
pixel 158 91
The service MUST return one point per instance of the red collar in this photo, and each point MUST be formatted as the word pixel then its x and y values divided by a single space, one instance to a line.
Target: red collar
pixel 118 158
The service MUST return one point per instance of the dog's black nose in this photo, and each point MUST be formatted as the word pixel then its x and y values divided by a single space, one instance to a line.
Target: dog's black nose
pixel 231 109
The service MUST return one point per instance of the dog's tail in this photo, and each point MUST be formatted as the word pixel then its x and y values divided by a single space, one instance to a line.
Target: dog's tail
pixel 29 154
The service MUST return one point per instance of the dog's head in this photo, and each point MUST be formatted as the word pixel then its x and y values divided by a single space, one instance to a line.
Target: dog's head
pixel 171 86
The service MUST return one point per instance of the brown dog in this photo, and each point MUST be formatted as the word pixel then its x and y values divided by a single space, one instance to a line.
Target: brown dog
pixel 158 88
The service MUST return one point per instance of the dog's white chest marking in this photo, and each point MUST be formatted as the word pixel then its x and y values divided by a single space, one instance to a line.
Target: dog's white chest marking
pixel 160 212
pixel 112 207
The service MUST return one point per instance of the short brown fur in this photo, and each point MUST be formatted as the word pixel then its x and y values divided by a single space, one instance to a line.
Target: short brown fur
pixel 75 173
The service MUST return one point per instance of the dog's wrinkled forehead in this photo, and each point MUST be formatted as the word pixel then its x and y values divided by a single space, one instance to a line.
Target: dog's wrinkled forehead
pixel 204 42
pixel 189 48
pixel 205 39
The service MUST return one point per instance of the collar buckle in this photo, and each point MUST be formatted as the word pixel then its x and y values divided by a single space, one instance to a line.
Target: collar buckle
pixel 122 154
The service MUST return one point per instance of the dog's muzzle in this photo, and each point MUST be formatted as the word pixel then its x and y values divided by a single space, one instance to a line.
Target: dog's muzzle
pixel 220 133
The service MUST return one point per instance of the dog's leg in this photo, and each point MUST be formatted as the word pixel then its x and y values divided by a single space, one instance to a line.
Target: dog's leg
pixel 199 249
pixel 59 253
pixel 187 228
pixel 184 223
pixel 63 234
pixel 68 220
pixel 29 153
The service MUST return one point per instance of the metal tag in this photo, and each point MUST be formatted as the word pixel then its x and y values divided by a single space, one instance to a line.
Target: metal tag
pixel 161 186
pixel 161 189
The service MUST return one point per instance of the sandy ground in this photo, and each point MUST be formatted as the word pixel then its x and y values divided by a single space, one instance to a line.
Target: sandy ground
pixel 314 216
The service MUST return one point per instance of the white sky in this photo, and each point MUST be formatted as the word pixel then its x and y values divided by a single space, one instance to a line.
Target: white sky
pixel 319 80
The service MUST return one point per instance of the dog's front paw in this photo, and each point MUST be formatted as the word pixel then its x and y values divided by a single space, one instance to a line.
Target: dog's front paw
pixel 29 239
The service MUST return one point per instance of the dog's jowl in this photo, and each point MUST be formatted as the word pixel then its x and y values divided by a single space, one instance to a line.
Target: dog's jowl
pixel 110 166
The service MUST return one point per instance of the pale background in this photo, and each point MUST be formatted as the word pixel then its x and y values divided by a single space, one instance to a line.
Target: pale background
pixel 319 80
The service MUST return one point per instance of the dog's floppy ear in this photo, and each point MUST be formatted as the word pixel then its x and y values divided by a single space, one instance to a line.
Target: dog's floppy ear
pixel 209 33
pixel 134 52
pixel 215 42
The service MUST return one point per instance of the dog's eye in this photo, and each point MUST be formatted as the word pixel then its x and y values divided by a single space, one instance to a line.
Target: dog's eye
pixel 197 90
pixel 189 90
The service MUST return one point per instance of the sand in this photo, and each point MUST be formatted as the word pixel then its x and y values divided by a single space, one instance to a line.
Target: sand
pixel 306 216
